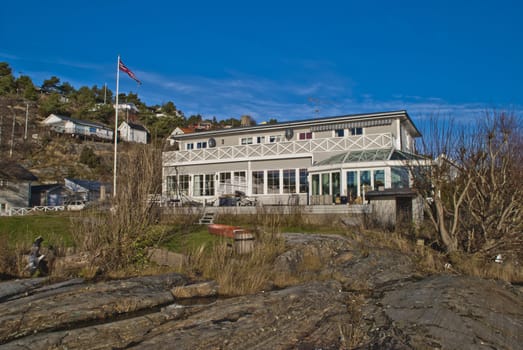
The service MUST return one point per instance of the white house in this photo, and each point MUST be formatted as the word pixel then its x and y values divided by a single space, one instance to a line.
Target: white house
pixel 317 161
pixel 131 132
pixel 76 127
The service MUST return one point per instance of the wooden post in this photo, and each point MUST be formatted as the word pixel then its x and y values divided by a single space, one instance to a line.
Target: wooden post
pixel 243 242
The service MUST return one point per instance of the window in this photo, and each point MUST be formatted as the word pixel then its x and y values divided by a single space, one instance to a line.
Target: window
pixel 274 138
pixel 260 139
pixel 336 184
pixel 273 181
pixel 189 146
pixel 170 185
pixel 257 182
pixel 3 182
pixel 325 183
pixel 352 185
pixel 197 185
pixel 240 179
pixel 202 144
pixel 183 184
pixel 379 179
pixel 356 131
pixel 304 185
pixel 339 132
pixel 365 179
pixel 289 181
pixel 399 177
pixel 316 184
pixel 246 141
pixel 305 135
pixel 209 184
pixel 225 178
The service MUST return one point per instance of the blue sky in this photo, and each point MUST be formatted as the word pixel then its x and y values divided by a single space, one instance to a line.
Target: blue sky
pixel 280 59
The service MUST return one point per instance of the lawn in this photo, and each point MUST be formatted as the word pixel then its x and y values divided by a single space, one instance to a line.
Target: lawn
pixel 22 230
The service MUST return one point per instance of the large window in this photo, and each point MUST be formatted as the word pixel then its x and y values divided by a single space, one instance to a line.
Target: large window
pixel 273 181
pixel 304 185
pixel 240 180
pixel 257 182
pixel 197 189
pixel 289 181
pixel 170 185
pixel 336 184
pixel 315 184
pixel 203 185
pixel 325 183
pixel 352 185
pixel 379 179
pixel 399 177
pixel 209 184
pixel 365 178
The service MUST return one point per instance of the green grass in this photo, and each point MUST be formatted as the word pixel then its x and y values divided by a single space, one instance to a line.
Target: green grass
pixel 55 229
pixel 196 236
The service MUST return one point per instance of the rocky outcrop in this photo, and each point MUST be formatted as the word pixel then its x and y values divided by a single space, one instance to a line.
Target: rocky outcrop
pixel 362 299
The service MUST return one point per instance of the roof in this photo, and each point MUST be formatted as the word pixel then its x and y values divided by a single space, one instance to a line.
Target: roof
pixel 14 171
pixel 136 126
pixel 380 154
pixel 392 192
pixel 81 122
pixel 46 187
pixel 316 122
pixel 87 185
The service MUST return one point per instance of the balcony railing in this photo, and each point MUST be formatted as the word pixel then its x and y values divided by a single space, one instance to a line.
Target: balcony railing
pixel 278 149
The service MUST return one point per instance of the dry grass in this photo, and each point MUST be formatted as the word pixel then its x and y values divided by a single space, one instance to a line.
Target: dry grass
pixel 13 260
pixel 236 274
pixel 118 238
pixel 482 266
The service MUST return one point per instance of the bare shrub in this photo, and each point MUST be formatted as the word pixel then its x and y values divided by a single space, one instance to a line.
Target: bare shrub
pixel 117 238
pixel 473 183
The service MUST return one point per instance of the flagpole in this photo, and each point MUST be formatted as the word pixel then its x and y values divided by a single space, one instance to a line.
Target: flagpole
pixel 116 126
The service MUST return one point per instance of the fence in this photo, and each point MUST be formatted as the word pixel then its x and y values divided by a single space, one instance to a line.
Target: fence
pixel 25 211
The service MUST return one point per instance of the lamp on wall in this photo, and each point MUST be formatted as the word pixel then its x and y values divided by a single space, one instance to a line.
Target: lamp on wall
pixel 289 133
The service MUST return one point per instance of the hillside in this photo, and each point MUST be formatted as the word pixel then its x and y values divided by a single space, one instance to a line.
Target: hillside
pixel 48 155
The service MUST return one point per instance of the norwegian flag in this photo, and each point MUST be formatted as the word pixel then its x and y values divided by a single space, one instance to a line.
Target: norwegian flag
pixel 124 68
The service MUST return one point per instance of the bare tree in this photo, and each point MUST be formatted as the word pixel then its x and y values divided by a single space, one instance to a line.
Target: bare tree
pixel 495 199
pixel 473 186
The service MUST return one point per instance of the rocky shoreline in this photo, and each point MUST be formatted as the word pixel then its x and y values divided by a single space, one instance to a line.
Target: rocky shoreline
pixel 355 300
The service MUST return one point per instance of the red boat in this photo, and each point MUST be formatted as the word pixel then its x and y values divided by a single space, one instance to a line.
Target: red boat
pixel 223 230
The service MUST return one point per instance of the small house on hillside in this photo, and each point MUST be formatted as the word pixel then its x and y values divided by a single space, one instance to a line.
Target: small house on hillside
pixel 78 128
pixel 15 186
pixel 48 195
pixel 131 132
pixel 86 190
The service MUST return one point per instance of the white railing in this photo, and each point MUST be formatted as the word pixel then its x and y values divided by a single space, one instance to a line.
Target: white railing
pixel 24 211
pixel 264 150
